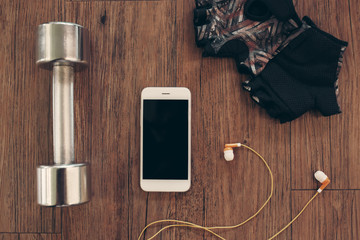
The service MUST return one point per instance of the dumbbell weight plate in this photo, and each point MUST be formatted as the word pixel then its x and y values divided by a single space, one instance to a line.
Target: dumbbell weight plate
pixel 63 185
pixel 62 42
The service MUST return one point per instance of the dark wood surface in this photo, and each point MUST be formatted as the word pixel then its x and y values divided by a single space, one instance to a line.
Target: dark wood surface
pixel 135 44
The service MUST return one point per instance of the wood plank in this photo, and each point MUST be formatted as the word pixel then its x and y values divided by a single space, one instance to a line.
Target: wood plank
pixel 190 205
pixel 39 236
pixel 112 0
pixel 345 128
pixel 332 215
pixel 310 138
pixel 31 129
pixel 9 236
pixel 7 99
pixel 152 46
pixel 323 142
pixel 131 49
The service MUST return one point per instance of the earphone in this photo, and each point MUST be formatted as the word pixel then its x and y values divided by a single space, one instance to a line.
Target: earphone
pixel 323 179
pixel 229 156
pixel 319 175
pixel 229 152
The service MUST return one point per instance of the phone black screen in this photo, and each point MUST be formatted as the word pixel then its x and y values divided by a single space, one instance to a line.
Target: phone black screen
pixel 165 139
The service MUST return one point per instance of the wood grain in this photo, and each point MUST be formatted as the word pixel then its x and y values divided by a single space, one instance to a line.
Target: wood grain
pixel 8 182
pixel 23 119
pixel 9 236
pixel 39 236
pixel 329 143
pixel 332 215
pixel 136 44
pixel 32 129
pixel 190 205
pixel 345 128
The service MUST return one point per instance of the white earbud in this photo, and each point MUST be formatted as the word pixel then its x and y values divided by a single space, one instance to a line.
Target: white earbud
pixel 229 152
pixel 229 155
pixel 323 179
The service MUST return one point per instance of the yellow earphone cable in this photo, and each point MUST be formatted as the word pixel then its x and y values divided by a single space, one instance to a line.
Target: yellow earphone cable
pixel 294 217
pixel 266 202
pixel 182 224
pixel 185 225
pixel 192 225
pixel 208 229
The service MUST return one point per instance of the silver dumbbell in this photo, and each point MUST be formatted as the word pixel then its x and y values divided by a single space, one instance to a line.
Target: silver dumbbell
pixel 63 48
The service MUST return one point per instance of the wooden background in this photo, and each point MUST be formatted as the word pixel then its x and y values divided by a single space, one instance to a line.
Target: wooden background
pixel 135 44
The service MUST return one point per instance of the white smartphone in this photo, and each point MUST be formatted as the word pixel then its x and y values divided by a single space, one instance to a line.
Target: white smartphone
pixel 165 148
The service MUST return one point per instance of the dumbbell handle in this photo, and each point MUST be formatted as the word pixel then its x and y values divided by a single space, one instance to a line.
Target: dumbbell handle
pixel 63 113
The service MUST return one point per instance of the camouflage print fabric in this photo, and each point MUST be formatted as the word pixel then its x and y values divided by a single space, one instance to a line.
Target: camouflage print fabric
pixel 243 29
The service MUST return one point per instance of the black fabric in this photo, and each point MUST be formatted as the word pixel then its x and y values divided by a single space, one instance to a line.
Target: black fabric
pixel 260 10
pixel 200 16
pixel 257 10
pixel 234 48
pixel 282 9
pixel 301 77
